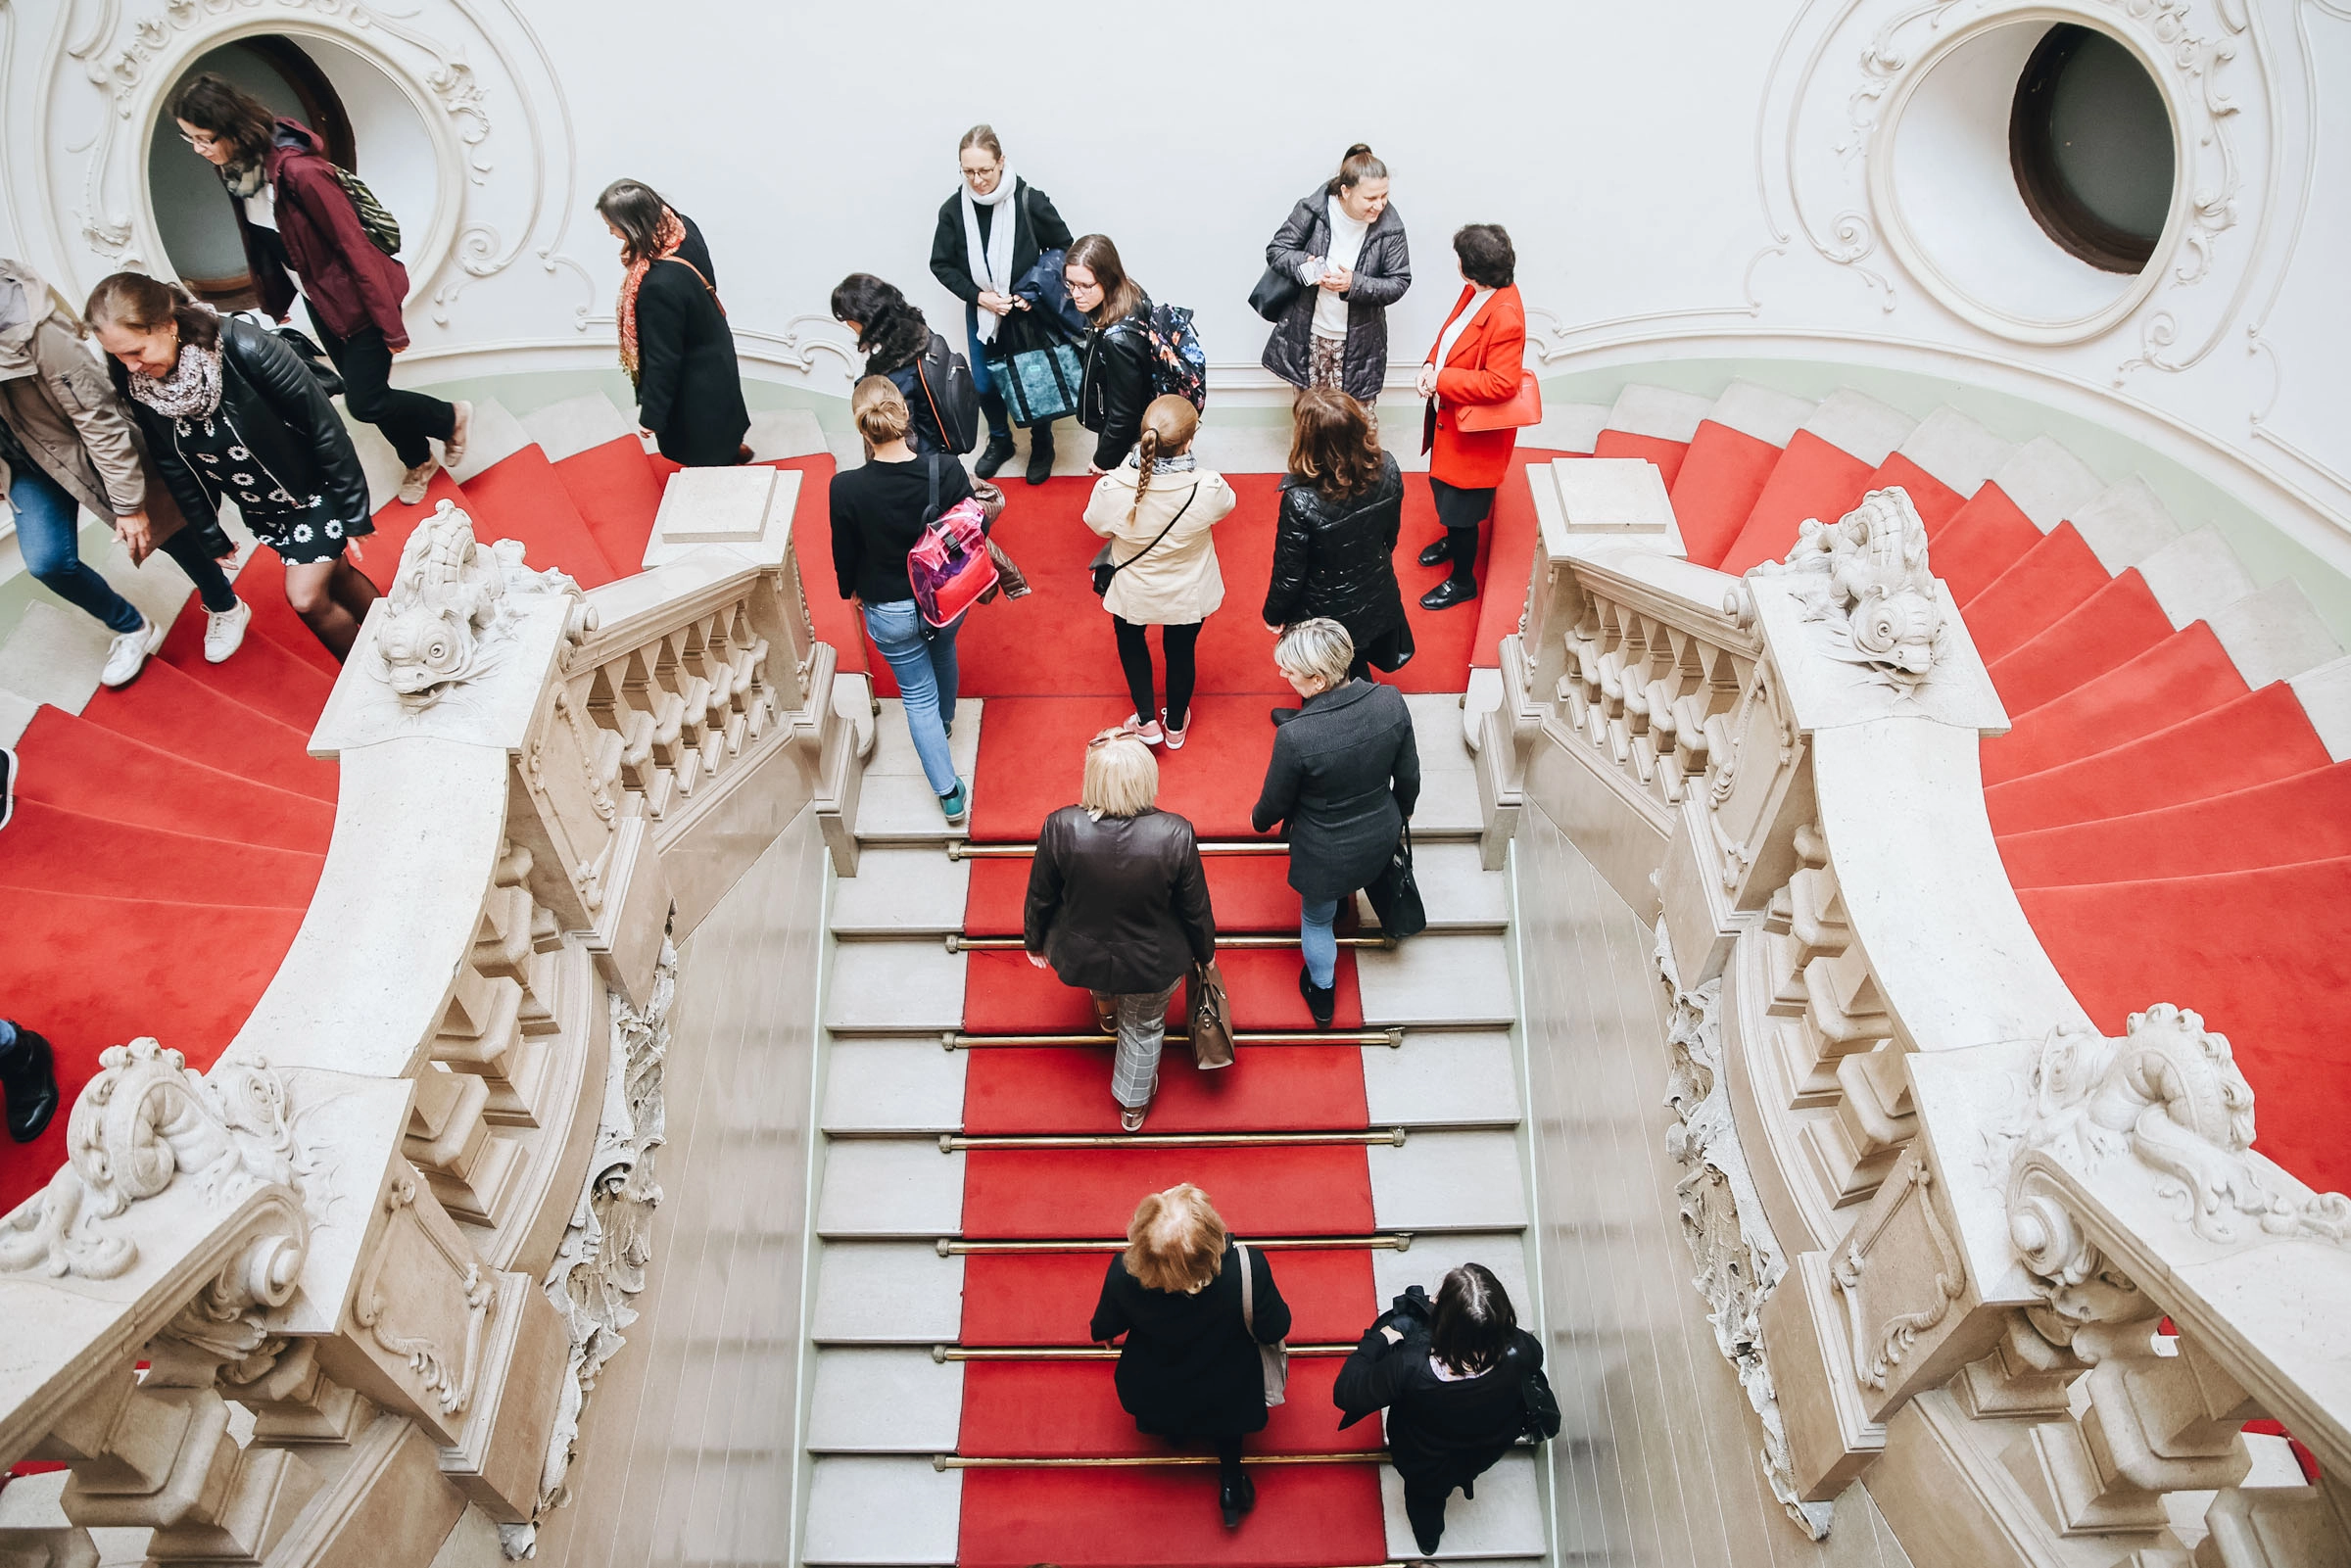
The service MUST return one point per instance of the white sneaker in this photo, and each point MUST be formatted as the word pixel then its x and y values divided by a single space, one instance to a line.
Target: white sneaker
pixel 129 652
pixel 225 631
pixel 1147 731
pixel 453 450
pixel 413 482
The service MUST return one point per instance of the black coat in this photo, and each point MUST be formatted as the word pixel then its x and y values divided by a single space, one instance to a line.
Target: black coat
pixel 1336 558
pixel 1036 228
pixel 1189 1368
pixel 1382 272
pixel 1345 776
pixel 1117 386
pixel 1121 905
pixel 688 385
pixel 1441 1435
pixel 274 405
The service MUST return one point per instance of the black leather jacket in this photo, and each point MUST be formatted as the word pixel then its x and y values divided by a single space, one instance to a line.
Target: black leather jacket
pixel 1121 905
pixel 1336 557
pixel 1117 386
pixel 274 404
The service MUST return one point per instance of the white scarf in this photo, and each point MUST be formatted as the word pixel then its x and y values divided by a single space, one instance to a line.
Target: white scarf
pixel 991 266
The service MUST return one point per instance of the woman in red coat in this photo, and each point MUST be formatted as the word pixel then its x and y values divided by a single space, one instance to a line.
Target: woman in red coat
pixel 1477 360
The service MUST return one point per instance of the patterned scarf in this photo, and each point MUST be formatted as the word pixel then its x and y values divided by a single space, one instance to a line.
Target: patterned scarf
pixel 666 240
pixel 192 391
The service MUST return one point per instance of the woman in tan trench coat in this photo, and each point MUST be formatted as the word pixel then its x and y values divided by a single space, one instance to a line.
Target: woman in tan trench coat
pixel 1158 510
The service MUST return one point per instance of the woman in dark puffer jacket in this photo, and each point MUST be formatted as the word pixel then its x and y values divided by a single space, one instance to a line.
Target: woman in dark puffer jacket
pixel 1342 506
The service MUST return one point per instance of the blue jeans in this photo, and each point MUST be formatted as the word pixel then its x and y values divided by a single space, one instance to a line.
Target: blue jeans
pixel 922 658
pixel 47 521
pixel 1317 943
pixel 999 422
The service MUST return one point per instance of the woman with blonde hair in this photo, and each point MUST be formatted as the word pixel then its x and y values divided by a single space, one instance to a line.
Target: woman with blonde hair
pixel 879 512
pixel 1158 509
pixel 1118 903
pixel 1190 1367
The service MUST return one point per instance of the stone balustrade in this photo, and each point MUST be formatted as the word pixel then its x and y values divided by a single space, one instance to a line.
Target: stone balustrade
pixel 309 1306
pixel 2026 1282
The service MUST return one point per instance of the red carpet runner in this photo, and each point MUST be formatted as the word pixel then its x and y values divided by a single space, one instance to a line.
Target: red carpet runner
pixel 1051 676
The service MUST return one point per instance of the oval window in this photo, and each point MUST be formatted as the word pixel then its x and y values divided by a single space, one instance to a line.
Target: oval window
pixel 2090 141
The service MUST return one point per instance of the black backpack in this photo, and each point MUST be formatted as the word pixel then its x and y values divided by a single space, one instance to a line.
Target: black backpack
pixel 945 379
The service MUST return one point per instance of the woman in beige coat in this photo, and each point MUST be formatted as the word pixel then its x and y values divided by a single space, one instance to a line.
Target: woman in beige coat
pixel 1158 510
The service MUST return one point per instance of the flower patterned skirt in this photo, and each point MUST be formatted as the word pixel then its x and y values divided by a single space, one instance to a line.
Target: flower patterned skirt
pixel 299 538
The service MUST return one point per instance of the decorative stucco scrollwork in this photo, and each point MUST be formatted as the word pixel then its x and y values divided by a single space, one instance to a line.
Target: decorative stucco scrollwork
pixel 448 1378
pixel 146 1121
pixel 1888 1345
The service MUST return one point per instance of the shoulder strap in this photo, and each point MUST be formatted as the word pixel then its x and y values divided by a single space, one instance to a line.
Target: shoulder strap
pixel 924 378
pixel 698 278
pixel 1248 1293
pixel 931 505
pixel 1119 566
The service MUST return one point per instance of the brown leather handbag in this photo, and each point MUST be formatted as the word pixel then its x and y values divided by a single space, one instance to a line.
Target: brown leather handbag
pixel 1210 1010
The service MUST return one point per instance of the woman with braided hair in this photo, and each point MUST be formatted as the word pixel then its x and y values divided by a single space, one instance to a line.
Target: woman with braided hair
pixel 1157 510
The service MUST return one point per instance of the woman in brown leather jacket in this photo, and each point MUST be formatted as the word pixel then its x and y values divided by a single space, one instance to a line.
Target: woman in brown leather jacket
pixel 1118 903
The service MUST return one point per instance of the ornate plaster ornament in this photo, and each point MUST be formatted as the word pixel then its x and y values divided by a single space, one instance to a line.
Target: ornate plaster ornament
pixel 2168 1095
pixel 143 1123
pixel 600 1268
pixel 450 616
pixel 1740 1262
pixel 1864 578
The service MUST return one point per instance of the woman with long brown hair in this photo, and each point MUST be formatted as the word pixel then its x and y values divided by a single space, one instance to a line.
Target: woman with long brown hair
pixel 1117 354
pixel 674 340
pixel 1190 1370
pixel 302 227
pixel 1158 510
pixel 231 415
pixel 1342 506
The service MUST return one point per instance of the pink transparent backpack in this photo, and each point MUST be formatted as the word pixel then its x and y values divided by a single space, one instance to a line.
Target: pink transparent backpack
pixel 950 565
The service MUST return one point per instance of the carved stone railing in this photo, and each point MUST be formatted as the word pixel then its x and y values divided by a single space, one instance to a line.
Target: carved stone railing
pixel 374 1257
pixel 1938 1218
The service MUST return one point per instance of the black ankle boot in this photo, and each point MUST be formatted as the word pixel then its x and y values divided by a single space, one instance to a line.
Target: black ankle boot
pixel 1235 1496
pixel 996 454
pixel 29 1077
pixel 1323 1001
pixel 1040 453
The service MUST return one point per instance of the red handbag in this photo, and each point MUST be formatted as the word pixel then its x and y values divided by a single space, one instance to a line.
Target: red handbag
pixel 1521 408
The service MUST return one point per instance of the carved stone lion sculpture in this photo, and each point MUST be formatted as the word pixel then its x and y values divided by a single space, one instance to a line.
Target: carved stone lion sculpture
pixel 1865 577
pixel 447 617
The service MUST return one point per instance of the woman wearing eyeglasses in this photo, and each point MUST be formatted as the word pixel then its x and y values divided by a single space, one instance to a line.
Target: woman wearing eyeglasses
pixel 303 235
pixel 991 233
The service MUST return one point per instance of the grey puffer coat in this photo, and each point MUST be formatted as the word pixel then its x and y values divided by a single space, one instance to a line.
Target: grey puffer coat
pixel 1345 776
pixel 1383 273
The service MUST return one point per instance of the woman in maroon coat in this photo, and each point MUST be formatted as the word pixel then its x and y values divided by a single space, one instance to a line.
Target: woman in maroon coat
pixel 302 231
pixel 1477 360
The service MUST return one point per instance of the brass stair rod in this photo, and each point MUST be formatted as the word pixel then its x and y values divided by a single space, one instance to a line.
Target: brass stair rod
pixel 1078 1353
pixel 964 849
pixel 1396 1241
pixel 951 1143
pixel 957 1040
pixel 963 1462
pixel 957 942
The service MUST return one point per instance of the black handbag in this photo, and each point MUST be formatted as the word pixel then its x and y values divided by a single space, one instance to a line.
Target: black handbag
pixel 1276 292
pixel 1540 1420
pixel 1103 568
pixel 1396 894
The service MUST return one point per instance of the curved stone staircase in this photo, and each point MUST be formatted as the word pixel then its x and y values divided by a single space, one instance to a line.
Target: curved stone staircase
pixel 170 836
pixel 2173 802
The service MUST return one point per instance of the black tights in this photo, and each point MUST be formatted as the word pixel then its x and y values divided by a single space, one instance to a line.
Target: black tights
pixel 1134 657
pixel 1228 1461
pixel 1459 512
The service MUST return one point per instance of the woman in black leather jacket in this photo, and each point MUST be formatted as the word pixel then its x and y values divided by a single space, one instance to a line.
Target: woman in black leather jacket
pixel 1118 355
pixel 1118 903
pixel 1342 506
pixel 231 414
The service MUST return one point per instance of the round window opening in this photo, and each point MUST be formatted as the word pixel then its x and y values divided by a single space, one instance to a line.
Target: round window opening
pixel 2091 142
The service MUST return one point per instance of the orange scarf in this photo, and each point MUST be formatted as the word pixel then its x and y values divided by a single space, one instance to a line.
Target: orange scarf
pixel 667 238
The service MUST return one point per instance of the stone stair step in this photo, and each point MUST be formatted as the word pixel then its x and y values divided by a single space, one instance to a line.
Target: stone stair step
pixel 889 1189
pixel 1437 980
pixel 1769 416
pixel 1449 1181
pixel 909 891
pixel 2195 577
pixel 911 986
pixel 496 434
pixel 881 1510
pixel 896 805
pixel 1434 1255
pixel 2125 525
pixel 1658 412
pixel 2326 693
pixel 1456 890
pixel 575 425
pixel 1859 426
pixel 779 433
pixel 1956 451
pixel 1442 1080
pixel 1504 1521
pixel 884 1399
pixel 893 1086
pixel 887 1293
pixel 2273 634
pixel 2047 483
pixel 1571 427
